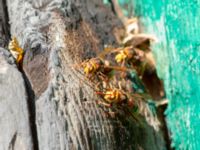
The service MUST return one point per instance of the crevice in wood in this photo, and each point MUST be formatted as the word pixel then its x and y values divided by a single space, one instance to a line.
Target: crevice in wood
pixel 153 84
pixel 161 112
pixel 112 6
pixel 12 142
pixel 6 20
pixel 156 89
pixel 32 110
pixel 4 27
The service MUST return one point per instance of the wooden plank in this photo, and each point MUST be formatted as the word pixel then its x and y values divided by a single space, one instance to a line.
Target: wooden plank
pixel 56 35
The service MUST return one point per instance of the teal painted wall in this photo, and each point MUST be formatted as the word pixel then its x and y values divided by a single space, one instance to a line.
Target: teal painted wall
pixel 176 23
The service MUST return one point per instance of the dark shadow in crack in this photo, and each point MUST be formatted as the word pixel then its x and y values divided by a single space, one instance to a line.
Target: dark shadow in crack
pixel 32 110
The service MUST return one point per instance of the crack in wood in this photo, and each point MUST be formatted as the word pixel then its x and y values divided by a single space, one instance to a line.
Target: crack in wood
pixel 31 110
pixel 12 142
pixel 4 25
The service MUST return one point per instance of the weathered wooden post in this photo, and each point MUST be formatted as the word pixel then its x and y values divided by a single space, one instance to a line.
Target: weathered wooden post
pixel 62 107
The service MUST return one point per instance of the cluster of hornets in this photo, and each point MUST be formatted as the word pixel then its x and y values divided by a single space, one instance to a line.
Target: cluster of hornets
pixel 115 74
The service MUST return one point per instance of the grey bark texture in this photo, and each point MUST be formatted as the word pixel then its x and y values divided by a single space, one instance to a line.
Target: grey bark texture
pixel 56 35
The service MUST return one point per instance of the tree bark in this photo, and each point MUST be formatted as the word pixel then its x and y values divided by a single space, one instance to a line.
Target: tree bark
pixel 57 35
